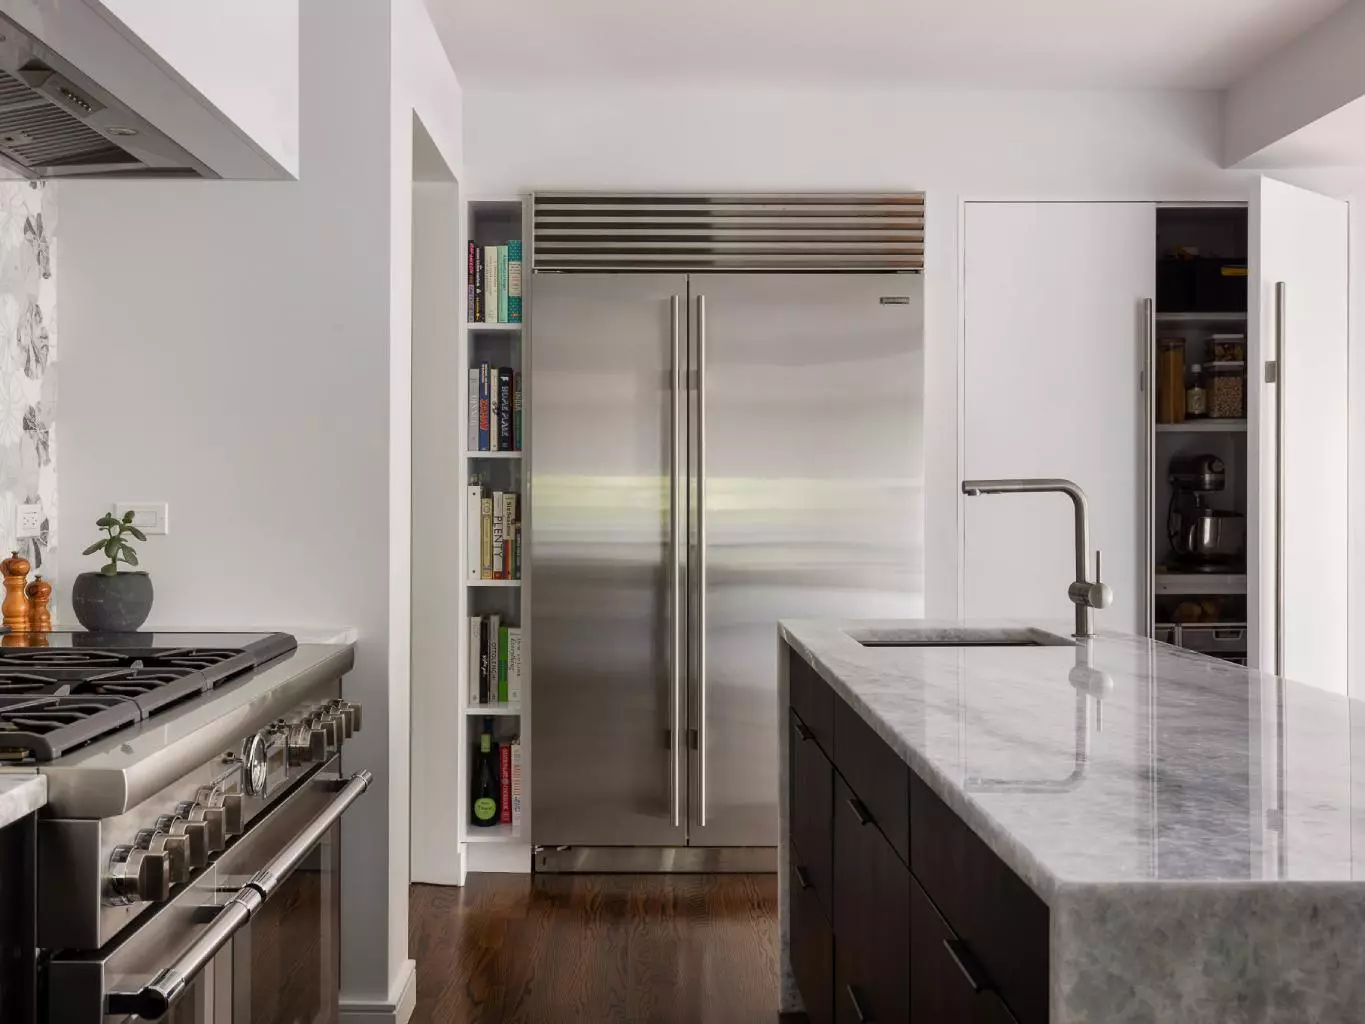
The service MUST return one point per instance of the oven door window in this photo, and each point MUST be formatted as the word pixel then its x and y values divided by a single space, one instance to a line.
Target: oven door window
pixel 286 963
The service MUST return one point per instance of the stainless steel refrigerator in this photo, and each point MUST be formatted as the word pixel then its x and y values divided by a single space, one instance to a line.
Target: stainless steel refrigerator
pixel 710 453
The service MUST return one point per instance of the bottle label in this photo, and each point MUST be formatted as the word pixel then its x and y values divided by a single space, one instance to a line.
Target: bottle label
pixel 485 743
pixel 485 807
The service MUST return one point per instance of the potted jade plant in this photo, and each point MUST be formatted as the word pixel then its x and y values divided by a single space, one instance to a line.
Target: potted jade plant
pixel 113 600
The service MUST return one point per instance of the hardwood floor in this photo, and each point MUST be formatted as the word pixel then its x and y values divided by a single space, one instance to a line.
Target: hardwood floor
pixel 562 949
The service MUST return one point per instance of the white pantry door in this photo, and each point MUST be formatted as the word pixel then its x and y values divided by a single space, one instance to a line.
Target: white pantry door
pixel 1054 333
pixel 1300 248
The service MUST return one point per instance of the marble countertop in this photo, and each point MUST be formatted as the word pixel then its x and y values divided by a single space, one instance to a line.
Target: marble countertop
pixel 1115 761
pixel 20 795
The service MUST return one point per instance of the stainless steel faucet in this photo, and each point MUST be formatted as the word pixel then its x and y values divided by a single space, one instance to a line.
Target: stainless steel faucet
pixel 1084 594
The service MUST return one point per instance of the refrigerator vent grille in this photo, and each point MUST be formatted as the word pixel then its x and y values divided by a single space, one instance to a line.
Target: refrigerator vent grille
pixel 577 232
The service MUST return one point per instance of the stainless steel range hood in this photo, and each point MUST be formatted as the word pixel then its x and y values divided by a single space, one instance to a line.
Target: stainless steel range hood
pixel 56 122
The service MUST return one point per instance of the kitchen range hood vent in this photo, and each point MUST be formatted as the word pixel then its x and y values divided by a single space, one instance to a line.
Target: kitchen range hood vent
pixel 55 122
pixel 582 232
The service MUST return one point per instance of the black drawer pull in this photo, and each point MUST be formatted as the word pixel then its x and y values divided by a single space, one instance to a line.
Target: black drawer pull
pixel 802 879
pixel 801 730
pixel 863 1018
pixel 968 965
pixel 864 815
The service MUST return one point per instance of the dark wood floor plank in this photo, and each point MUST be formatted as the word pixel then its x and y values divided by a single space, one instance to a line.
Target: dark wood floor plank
pixel 597 949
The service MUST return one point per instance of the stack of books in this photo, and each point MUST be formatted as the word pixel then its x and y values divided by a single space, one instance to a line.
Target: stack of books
pixel 509 780
pixel 494 661
pixel 494 409
pixel 494 290
pixel 493 551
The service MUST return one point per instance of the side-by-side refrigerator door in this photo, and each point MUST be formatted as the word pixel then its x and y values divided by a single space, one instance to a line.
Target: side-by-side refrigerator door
pixel 807 502
pixel 608 554
pixel 1298 315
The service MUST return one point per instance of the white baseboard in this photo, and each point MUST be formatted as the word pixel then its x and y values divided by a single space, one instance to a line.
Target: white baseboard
pixel 397 1009
pixel 498 858
pixel 449 871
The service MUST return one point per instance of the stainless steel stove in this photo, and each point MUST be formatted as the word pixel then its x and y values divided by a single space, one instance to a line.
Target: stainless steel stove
pixel 192 779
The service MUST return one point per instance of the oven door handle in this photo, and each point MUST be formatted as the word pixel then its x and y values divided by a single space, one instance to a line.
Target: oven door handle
pixel 156 997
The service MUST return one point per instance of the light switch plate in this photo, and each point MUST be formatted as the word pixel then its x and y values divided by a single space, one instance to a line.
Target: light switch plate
pixel 28 521
pixel 151 517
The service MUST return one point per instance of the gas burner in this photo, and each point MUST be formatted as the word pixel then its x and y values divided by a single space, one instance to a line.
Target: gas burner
pixel 25 682
pixel 52 657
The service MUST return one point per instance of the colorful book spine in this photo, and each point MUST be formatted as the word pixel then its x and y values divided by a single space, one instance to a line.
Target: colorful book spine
pixel 514 664
pixel 472 432
pixel 516 551
pixel 499 534
pixel 473 535
pixel 502 284
pixel 475 650
pixel 483 661
pixel 494 409
pixel 470 314
pixel 490 684
pixel 516 786
pixel 490 283
pixel 484 396
pixel 505 781
pixel 509 527
pixel 480 299
pixel 502 664
pixel 486 539
pixel 505 410
pixel 514 281
pixel 516 412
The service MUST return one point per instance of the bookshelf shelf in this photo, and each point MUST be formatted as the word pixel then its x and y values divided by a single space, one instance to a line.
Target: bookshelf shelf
pixel 492 455
pixel 495 583
pixel 496 834
pixel 507 710
pixel 478 325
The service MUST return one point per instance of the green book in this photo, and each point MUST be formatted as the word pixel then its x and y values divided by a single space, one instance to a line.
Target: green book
pixel 514 281
pixel 502 284
pixel 502 664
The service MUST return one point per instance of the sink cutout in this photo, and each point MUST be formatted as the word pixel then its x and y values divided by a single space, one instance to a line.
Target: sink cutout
pixel 948 637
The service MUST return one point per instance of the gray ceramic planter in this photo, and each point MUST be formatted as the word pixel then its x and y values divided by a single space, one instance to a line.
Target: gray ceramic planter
pixel 112 604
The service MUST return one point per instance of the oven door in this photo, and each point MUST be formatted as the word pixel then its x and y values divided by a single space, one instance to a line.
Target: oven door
pixel 255 939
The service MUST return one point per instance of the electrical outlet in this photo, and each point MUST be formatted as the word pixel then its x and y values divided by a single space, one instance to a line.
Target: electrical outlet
pixel 29 522
pixel 151 517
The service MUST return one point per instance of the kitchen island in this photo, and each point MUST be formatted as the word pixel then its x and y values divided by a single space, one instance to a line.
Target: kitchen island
pixel 1009 825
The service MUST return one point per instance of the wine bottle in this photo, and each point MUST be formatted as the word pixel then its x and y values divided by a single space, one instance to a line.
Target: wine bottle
pixel 486 798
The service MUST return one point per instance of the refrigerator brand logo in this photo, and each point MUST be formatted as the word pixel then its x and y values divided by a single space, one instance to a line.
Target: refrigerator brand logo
pixel 895 300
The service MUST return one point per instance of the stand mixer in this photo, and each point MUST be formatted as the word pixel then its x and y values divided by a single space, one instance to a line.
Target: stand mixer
pixel 1202 539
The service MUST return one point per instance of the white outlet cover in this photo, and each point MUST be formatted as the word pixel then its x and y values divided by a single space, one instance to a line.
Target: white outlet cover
pixel 151 517
pixel 28 521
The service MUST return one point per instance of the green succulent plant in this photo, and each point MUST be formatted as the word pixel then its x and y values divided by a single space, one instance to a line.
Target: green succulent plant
pixel 115 547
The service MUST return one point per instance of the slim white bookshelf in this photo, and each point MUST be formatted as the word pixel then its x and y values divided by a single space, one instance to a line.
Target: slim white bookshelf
pixel 490 222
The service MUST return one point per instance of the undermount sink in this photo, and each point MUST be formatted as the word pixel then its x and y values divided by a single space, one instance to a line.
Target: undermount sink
pixel 949 637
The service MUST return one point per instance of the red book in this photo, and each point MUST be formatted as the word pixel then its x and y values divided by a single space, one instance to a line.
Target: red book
pixel 505 780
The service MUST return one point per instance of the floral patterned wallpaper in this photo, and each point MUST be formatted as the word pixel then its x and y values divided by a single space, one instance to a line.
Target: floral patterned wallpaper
pixel 28 372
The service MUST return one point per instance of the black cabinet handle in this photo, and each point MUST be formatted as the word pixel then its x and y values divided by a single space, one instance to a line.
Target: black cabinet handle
pixel 802 879
pixel 968 965
pixel 863 1018
pixel 801 730
pixel 864 816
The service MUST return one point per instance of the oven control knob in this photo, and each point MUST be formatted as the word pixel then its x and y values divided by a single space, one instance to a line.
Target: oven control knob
pixel 306 744
pixel 175 847
pixel 195 835
pixel 228 805
pixel 209 819
pixel 349 714
pixel 332 729
pixel 255 764
pixel 137 875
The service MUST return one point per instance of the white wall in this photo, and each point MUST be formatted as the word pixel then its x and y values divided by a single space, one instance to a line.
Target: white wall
pixel 241 55
pixel 242 350
pixel 955 144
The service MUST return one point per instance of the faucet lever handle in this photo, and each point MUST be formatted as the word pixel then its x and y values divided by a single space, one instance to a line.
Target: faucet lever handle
pixel 1101 594
pixel 1098 577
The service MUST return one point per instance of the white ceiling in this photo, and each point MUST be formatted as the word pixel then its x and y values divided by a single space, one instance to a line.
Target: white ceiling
pixel 1038 43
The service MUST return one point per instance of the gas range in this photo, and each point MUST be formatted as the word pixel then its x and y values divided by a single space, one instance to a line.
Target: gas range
pixel 188 776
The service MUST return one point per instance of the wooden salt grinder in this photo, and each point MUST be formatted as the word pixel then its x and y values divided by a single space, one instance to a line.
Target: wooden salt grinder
pixel 39 594
pixel 15 606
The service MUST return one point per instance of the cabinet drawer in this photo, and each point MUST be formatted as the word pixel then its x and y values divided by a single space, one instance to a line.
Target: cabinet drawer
pixel 946 987
pixel 876 774
pixel 811 953
pixel 812 699
pixel 1002 922
pixel 871 915
pixel 810 811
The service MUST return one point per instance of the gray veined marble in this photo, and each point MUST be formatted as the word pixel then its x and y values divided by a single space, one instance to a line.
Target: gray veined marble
pixel 20 795
pixel 1192 825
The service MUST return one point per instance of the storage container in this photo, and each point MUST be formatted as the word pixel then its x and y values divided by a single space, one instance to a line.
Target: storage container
pixel 1227 391
pixel 1170 381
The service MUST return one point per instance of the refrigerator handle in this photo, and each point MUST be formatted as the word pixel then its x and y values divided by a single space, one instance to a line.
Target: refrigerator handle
pixel 677 601
pixel 1276 377
pixel 701 558
pixel 1149 472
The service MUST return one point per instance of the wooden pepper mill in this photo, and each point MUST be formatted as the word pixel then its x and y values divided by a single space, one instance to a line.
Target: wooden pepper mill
pixel 15 606
pixel 39 594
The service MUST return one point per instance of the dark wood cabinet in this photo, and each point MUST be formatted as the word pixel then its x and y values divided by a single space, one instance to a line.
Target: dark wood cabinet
pixel 898 911
pixel 811 945
pixel 871 912
pixel 810 798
